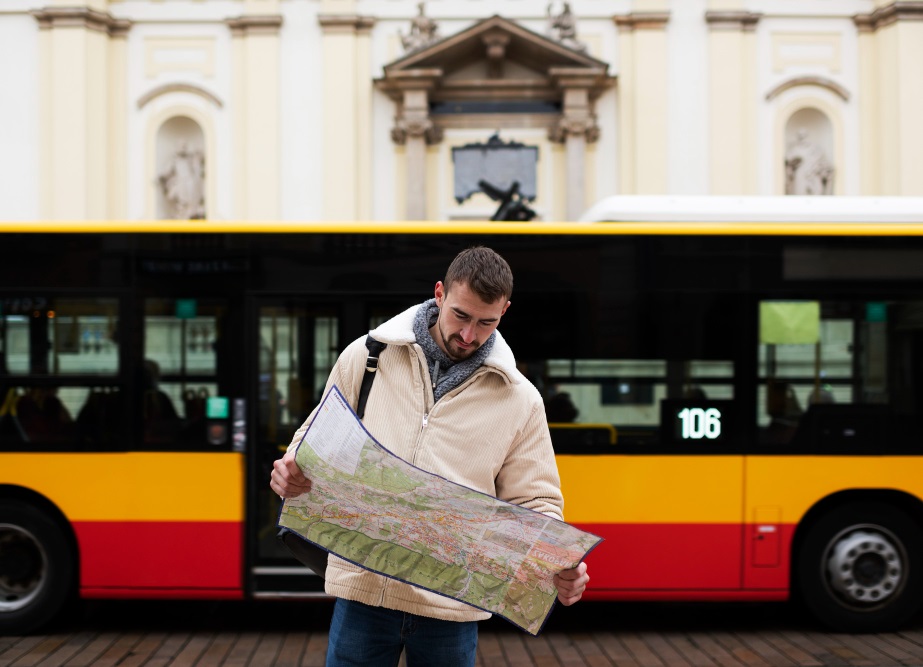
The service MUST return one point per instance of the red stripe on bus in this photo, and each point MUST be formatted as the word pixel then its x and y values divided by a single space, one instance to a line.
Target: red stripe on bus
pixel 160 554
pixel 696 557
pixel 101 593
pixel 687 595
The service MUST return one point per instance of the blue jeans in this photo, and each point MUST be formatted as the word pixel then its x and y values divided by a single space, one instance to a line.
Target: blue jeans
pixel 374 637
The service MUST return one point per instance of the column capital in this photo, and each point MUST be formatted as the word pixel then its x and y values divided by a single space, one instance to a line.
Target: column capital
pixel 900 10
pixel 81 17
pixel 573 126
pixel 732 20
pixel 346 23
pixel 641 21
pixel 265 24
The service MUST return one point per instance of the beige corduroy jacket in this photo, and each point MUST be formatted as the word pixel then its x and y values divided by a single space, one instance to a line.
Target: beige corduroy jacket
pixel 489 434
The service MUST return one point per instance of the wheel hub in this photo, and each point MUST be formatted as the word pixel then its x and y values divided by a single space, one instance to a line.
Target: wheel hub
pixel 23 567
pixel 864 566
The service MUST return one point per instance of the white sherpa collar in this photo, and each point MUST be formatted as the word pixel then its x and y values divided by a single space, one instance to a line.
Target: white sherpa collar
pixel 399 331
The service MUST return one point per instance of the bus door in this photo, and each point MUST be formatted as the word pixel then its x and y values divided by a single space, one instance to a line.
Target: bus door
pixel 295 346
pixel 296 341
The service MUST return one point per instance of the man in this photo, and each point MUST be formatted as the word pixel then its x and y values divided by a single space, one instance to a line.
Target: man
pixel 448 399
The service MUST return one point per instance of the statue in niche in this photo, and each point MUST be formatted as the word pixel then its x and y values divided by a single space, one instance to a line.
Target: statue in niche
pixel 807 170
pixel 563 28
pixel 183 184
pixel 423 31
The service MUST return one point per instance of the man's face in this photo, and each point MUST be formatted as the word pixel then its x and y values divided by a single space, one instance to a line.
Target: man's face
pixel 465 321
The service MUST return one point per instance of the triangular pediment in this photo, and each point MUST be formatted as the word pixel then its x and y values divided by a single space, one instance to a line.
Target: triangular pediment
pixel 522 46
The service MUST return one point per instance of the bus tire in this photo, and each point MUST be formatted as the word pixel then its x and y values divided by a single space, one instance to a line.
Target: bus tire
pixel 37 571
pixel 859 568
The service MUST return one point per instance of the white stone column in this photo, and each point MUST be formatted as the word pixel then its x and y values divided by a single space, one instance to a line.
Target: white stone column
pixel 414 130
pixel 576 127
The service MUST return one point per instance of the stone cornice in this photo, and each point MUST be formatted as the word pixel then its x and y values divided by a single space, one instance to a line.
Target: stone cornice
pixel 80 17
pixel 642 21
pixel 902 10
pixel 346 23
pixel 730 20
pixel 262 24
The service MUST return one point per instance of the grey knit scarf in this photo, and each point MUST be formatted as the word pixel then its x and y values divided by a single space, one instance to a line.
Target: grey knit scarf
pixel 445 373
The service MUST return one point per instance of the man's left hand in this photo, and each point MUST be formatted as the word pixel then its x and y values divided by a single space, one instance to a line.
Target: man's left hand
pixel 571 584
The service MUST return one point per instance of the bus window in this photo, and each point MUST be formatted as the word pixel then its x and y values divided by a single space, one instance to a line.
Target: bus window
pixel 851 384
pixel 180 372
pixel 59 356
pixel 624 395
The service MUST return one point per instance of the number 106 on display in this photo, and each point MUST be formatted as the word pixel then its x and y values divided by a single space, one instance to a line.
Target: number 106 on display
pixel 698 423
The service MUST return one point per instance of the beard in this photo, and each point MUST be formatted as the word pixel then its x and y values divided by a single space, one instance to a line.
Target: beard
pixel 452 345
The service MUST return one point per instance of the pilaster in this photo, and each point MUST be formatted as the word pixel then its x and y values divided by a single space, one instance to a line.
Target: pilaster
pixel 257 173
pixel 732 101
pixel 576 128
pixel 642 100
pixel 891 43
pixel 414 129
pixel 347 133
pixel 76 78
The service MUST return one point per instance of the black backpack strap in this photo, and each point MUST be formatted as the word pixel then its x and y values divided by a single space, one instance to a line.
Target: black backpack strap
pixel 371 367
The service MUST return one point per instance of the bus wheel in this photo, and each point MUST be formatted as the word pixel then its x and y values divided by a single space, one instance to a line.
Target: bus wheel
pixel 859 568
pixel 36 567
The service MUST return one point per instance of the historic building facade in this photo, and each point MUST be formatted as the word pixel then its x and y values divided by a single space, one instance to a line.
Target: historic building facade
pixel 354 109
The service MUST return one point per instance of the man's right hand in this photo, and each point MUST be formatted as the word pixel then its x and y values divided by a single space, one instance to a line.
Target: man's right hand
pixel 287 480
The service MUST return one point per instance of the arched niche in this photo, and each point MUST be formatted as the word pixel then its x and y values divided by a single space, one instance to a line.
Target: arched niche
pixel 809 153
pixel 180 168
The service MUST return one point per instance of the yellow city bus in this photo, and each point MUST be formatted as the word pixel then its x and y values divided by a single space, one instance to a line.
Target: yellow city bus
pixel 735 403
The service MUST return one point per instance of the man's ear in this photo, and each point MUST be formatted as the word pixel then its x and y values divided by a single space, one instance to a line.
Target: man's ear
pixel 440 293
pixel 503 312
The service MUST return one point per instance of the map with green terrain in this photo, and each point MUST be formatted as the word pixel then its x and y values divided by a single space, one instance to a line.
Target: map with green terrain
pixel 378 511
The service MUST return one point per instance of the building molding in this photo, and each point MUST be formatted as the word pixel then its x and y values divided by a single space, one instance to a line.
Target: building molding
pixel 262 24
pixel 641 21
pixel 179 88
pixel 901 10
pixel 731 20
pixel 81 17
pixel 819 81
pixel 348 23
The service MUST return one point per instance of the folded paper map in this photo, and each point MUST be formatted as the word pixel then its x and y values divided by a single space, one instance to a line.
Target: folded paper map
pixel 374 509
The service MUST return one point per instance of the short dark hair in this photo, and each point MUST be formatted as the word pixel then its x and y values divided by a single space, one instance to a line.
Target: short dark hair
pixel 484 272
